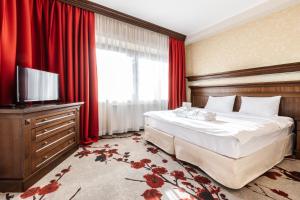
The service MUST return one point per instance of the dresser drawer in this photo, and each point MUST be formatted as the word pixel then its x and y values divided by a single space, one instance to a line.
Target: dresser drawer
pixel 47 143
pixel 44 132
pixel 54 118
pixel 45 155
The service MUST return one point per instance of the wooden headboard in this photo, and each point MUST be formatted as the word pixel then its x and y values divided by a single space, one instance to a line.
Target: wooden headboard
pixel 290 92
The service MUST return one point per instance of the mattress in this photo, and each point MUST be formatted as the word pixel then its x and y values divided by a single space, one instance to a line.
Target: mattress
pixel 228 145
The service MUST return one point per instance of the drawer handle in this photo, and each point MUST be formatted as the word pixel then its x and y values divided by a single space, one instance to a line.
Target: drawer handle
pixel 45 157
pixel 27 121
pixel 45 119
pixel 45 130
pixel 45 143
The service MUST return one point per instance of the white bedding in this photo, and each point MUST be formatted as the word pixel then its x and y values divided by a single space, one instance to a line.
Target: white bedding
pixel 232 134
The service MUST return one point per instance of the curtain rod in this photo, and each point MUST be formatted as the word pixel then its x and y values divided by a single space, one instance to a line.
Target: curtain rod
pixel 97 8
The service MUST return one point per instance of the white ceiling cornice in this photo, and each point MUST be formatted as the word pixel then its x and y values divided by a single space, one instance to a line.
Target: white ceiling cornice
pixel 255 12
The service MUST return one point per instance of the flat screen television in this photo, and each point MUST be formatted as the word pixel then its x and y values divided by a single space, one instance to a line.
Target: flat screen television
pixel 36 85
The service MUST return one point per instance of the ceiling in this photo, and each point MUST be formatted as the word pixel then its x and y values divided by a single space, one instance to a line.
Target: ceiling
pixel 196 18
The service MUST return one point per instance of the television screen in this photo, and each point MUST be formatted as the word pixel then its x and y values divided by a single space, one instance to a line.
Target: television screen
pixel 36 85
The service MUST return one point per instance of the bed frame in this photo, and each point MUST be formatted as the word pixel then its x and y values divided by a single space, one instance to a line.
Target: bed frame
pixel 289 106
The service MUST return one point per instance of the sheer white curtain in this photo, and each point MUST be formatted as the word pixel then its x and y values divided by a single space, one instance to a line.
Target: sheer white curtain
pixel 132 74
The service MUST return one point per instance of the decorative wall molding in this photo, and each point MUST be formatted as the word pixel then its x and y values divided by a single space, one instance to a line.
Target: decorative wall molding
pixel 290 67
pixel 97 8
pixel 256 84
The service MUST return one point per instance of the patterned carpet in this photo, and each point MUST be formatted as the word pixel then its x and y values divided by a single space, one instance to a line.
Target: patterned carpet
pixel 129 168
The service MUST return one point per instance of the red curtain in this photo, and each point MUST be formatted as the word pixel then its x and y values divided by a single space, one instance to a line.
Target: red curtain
pixel 177 88
pixel 56 37
pixel 8 45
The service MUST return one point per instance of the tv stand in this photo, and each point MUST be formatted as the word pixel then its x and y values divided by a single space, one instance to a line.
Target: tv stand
pixel 34 140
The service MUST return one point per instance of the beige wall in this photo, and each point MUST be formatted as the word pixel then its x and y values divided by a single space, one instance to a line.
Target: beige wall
pixel 270 40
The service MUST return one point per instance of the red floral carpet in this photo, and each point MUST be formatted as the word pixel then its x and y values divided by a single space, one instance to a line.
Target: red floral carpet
pixel 129 169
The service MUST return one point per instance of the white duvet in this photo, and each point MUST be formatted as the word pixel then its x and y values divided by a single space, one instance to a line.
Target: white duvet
pixel 243 127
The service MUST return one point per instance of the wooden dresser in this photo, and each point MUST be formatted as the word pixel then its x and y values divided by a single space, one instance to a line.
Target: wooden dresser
pixel 33 141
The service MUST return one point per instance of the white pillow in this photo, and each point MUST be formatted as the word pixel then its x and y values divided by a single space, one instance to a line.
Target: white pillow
pixel 263 106
pixel 220 104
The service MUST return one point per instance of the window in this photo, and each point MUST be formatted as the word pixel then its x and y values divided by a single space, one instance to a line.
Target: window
pixel 133 75
pixel 115 76
pixel 152 79
pixel 125 78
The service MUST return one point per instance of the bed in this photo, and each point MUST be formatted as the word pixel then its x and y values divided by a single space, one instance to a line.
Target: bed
pixel 231 156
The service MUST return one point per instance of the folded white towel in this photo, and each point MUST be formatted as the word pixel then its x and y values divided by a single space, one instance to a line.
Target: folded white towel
pixel 185 112
pixel 180 112
pixel 209 116
pixel 195 114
